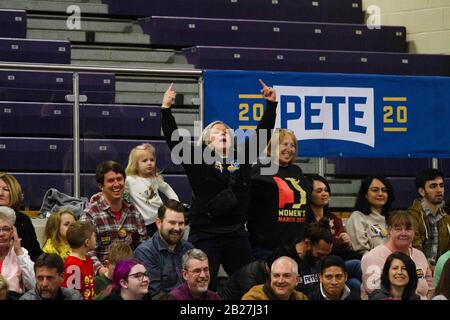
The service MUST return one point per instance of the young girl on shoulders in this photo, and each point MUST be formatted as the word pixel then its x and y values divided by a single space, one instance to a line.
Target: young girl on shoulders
pixel 144 182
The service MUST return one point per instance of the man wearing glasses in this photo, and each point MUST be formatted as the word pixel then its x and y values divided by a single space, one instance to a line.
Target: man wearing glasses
pixel 196 275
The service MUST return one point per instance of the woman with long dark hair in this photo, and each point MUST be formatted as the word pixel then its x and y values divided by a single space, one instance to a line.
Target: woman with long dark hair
pixel 367 223
pixel 398 280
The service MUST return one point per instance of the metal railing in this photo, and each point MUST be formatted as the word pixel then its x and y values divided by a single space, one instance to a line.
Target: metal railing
pixel 179 73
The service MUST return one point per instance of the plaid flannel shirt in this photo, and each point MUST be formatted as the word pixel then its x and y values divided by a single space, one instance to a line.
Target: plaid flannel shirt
pixel 130 227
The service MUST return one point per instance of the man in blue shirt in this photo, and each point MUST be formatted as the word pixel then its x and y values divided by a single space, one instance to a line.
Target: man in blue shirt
pixel 162 254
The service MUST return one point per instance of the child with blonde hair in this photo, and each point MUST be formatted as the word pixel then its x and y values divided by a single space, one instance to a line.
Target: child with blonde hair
pixel 144 182
pixel 55 233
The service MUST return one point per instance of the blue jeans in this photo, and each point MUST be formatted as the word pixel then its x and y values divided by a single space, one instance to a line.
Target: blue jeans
pixel 353 269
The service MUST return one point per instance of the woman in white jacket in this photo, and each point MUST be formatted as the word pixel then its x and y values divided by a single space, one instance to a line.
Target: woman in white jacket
pixel 16 265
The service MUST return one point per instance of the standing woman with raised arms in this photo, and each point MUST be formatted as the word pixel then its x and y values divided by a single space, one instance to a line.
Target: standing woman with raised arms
pixel 220 186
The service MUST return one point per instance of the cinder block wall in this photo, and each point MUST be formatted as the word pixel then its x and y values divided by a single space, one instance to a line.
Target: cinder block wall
pixel 427 22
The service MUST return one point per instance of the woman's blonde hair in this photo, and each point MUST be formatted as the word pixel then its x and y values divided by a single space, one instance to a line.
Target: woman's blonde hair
pixel 204 137
pixel 52 226
pixel 132 168
pixel 277 136
pixel 15 190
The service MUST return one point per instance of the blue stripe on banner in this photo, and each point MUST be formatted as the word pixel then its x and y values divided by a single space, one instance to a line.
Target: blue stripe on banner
pixel 340 114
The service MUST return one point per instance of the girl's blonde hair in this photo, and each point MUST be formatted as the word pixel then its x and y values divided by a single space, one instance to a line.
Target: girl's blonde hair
pixel 277 136
pixel 204 137
pixel 15 190
pixel 52 226
pixel 132 168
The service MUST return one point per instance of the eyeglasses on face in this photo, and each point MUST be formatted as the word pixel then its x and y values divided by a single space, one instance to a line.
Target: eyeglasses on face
pixel 6 229
pixel 198 271
pixel 139 275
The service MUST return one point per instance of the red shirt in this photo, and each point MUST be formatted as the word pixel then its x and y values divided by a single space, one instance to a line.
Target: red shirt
pixel 79 275
pixel 117 214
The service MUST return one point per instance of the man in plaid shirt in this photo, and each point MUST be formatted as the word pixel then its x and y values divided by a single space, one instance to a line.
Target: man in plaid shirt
pixel 114 218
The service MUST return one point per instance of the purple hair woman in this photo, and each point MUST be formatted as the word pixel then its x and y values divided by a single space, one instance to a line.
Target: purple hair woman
pixel 130 282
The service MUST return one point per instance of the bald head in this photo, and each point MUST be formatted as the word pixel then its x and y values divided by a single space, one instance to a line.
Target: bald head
pixel 285 263
pixel 284 277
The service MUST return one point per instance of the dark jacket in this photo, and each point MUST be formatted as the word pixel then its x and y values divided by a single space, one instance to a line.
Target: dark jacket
pixel 209 180
pixel 243 280
pixel 25 231
pixel 318 294
pixel 279 211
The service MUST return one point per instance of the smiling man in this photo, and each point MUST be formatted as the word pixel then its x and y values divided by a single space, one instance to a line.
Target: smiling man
pixel 281 286
pixel 162 253
pixel 114 218
pixel 196 275
pixel 431 222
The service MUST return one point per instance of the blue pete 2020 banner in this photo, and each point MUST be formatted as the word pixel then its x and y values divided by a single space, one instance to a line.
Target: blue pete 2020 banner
pixel 350 115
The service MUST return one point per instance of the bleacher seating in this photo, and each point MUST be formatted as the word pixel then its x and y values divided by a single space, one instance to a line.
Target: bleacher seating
pixel 35 185
pixel 36 154
pixel 444 165
pixel 210 57
pixel 13 23
pixel 383 166
pixel 54 86
pixel 94 151
pixel 34 51
pixel 286 35
pixel 56 154
pixel 185 32
pixel 96 120
pixel 404 191
pixel 344 11
pixel 120 121
pixel 36 119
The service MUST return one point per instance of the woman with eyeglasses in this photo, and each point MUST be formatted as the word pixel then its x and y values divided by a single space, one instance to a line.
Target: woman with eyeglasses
pixel 11 196
pixel 219 172
pixel 278 212
pixel 15 263
pixel 130 282
pixel 367 224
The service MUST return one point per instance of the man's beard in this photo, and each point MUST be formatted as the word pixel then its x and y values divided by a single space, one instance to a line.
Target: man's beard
pixel 309 259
